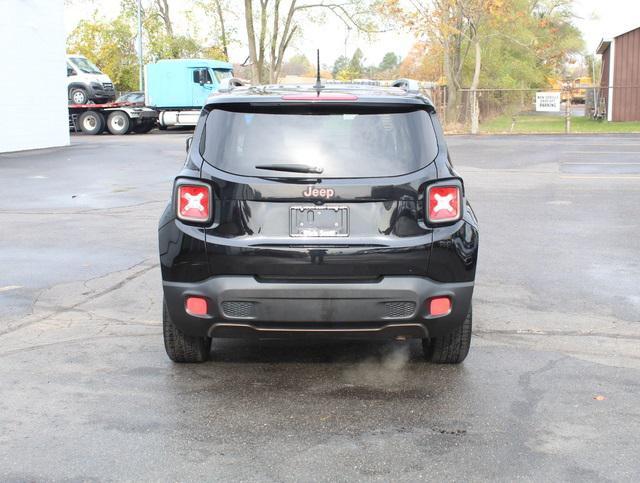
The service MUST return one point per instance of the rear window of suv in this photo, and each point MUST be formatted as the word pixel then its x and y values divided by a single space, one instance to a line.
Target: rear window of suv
pixel 345 141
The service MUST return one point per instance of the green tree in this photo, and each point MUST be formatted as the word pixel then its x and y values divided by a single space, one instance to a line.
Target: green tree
pixel 505 43
pixel 356 64
pixel 390 61
pixel 160 40
pixel 214 52
pixel 341 64
pixel 349 69
pixel 297 65
pixel 222 31
pixel 110 45
pixel 161 45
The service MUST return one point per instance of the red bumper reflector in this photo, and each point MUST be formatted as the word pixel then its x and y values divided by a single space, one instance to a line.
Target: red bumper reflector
pixel 196 305
pixel 439 306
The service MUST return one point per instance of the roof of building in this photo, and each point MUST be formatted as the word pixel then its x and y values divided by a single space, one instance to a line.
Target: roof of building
pixel 603 46
pixel 605 43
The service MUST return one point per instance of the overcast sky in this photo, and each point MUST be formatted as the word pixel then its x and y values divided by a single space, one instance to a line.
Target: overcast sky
pixel 596 19
pixel 605 18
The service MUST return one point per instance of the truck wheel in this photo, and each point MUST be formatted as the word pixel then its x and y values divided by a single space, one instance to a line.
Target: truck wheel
pixel 78 95
pixel 118 123
pixel 91 122
pixel 451 348
pixel 181 347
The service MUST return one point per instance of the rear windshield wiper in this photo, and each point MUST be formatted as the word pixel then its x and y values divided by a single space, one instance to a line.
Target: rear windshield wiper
pixel 291 168
pixel 292 180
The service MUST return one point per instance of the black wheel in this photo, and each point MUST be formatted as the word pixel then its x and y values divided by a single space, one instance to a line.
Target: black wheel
pixel 162 127
pixel 78 95
pixel 143 128
pixel 181 347
pixel 118 123
pixel 91 122
pixel 451 348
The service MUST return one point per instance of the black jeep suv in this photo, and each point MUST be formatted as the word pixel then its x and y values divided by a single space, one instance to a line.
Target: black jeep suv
pixel 310 212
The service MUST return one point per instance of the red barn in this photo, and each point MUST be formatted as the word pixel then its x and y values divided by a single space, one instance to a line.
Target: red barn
pixel 620 82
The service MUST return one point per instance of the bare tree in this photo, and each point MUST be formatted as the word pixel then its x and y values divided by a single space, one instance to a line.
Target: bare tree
pixel 223 31
pixel 277 25
pixel 223 15
pixel 458 26
pixel 251 36
pixel 163 12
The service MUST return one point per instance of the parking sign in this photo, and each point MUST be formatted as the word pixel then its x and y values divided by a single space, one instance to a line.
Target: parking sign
pixel 548 101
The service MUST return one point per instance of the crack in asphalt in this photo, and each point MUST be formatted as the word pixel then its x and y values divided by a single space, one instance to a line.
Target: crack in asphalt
pixel 554 333
pixel 90 297
pixel 89 211
pixel 76 339
pixel 527 305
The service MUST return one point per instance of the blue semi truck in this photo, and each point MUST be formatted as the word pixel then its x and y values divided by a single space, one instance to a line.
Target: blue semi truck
pixel 175 91
pixel 178 88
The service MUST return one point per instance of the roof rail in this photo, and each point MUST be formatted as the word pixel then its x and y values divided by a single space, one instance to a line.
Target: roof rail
pixel 227 85
pixel 409 85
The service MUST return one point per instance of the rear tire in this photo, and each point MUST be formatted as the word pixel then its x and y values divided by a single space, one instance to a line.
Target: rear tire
pixel 91 122
pixel 118 123
pixel 451 348
pixel 181 347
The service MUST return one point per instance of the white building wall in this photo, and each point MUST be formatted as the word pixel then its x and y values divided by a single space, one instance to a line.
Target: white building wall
pixel 33 88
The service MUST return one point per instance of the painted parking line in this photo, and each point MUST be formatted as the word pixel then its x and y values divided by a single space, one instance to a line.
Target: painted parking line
pixel 602 168
pixel 9 287
pixel 599 163
pixel 629 177
pixel 581 147
pixel 603 152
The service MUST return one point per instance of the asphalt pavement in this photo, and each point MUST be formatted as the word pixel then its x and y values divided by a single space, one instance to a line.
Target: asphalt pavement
pixel 550 390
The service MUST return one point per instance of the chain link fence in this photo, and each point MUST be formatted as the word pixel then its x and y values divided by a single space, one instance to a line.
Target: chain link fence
pixel 517 111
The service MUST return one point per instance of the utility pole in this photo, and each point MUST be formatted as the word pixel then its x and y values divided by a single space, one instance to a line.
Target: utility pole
pixel 141 83
pixel 347 31
pixel 593 84
pixel 567 119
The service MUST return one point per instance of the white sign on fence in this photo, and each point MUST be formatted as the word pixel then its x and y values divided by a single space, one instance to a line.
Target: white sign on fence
pixel 548 101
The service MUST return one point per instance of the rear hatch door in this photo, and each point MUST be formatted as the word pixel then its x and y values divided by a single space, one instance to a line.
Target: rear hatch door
pixel 307 191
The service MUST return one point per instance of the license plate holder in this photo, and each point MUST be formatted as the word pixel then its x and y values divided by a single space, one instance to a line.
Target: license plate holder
pixel 319 221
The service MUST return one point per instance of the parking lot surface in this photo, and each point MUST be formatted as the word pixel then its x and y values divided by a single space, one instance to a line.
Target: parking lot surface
pixel 550 389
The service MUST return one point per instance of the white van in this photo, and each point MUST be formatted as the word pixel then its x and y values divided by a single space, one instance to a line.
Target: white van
pixel 85 82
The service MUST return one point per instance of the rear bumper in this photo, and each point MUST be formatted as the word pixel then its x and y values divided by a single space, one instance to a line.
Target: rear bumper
pixel 241 306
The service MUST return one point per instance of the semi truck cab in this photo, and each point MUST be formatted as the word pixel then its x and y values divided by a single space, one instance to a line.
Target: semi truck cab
pixel 206 80
pixel 85 82
pixel 178 88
